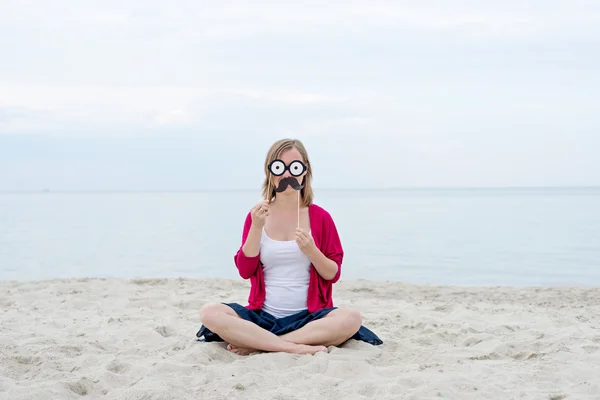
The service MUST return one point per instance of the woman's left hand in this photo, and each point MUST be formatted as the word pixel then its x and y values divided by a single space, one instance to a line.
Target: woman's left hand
pixel 305 241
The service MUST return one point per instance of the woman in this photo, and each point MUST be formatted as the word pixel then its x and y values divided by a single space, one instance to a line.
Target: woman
pixel 292 254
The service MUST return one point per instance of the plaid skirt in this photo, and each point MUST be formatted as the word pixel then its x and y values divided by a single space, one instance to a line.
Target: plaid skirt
pixel 281 326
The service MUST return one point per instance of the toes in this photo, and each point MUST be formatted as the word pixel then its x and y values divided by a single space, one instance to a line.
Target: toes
pixel 239 350
pixel 234 349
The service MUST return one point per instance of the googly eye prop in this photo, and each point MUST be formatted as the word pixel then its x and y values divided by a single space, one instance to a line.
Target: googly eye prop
pixel 278 167
pixel 296 168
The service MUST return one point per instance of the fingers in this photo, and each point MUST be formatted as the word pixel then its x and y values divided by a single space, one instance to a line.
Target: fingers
pixel 260 212
pixel 301 236
pixel 303 239
pixel 264 209
pixel 301 232
pixel 260 207
pixel 263 204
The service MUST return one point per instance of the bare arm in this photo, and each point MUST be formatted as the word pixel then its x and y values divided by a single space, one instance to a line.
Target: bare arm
pixel 247 256
pixel 252 245
pixel 325 267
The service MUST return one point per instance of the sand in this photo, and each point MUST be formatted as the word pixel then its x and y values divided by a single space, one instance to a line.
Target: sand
pixel 135 339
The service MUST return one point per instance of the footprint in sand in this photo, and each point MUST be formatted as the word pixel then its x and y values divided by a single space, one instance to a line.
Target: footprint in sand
pixel 590 349
pixel 117 367
pixel 164 331
pixel 471 342
pixel 27 360
pixel 81 387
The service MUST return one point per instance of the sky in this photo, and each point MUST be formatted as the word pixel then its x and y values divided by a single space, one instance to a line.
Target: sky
pixel 189 95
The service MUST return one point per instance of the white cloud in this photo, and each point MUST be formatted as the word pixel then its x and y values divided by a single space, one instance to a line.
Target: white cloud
pixel 144 106
pixel 173 117
pixel 416 82
pixel 229 18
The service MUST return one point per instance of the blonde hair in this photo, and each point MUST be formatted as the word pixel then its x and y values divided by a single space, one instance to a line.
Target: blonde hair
pixel 277 148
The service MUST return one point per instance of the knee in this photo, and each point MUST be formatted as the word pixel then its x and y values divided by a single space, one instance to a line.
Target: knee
pixel 351 320
pixel 209 314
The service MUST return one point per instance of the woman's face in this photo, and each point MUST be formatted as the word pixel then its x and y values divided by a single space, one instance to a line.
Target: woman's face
pixel 288 157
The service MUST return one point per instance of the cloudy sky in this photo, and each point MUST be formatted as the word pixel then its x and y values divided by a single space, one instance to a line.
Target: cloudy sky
pixel 135 95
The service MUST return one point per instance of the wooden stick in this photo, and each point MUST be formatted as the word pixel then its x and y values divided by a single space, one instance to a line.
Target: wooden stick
pixel 268 195
pixel 298 208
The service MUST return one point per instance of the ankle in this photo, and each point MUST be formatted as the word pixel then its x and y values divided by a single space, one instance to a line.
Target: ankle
pixel 288 346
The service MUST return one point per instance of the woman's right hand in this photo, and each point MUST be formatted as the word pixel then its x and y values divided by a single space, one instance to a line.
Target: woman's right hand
pixel 259 213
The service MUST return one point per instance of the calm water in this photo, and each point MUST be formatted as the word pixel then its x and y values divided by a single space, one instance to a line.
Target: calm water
pixel 464 237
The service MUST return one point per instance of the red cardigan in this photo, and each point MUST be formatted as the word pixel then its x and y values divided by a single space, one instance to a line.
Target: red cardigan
pixel 320 291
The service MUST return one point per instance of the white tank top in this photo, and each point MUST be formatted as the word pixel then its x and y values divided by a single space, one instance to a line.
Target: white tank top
pixel 287 274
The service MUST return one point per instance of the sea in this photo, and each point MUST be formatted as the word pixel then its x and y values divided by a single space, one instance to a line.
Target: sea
pixel 439 236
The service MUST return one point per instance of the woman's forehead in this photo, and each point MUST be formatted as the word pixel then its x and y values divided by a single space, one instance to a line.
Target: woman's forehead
pixel 290 155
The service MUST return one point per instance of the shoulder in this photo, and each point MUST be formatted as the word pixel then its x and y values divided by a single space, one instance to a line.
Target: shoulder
pixel 319 212
pixel 326 230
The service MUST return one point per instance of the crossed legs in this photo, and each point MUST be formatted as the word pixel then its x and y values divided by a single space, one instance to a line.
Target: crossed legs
pixel 245 337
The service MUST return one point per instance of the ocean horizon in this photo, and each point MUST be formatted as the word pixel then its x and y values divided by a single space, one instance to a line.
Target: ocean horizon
pixel 465 236
pixel 316 188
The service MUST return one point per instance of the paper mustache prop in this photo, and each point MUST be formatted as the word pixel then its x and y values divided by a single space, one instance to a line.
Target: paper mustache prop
pixel 296 168
pixel 289 181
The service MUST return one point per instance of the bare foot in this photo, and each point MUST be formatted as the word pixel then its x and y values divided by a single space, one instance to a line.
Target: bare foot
pixel 296 349
pixel 242 351
pixel 306 349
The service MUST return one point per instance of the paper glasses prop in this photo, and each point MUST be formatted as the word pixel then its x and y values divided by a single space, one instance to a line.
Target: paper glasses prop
pixel 296 168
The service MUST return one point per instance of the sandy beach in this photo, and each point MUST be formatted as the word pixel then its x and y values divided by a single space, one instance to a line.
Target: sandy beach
pixel 135 339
